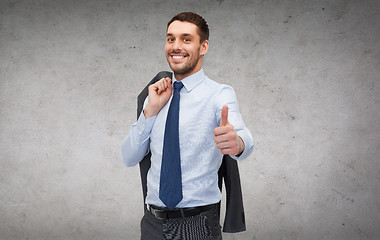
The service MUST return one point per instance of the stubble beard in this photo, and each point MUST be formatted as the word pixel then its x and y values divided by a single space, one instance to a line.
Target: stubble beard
pixel 187 68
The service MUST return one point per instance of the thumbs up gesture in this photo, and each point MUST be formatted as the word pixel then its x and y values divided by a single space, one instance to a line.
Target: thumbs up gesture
pixel 226 138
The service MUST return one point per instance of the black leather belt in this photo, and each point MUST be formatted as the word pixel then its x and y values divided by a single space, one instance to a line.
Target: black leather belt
pixel 164 213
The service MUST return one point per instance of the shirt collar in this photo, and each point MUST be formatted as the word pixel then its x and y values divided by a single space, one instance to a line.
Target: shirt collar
pixel 192 81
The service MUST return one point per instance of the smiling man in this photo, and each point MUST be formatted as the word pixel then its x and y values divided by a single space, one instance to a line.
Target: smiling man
pixel 188 123
pixel 184 48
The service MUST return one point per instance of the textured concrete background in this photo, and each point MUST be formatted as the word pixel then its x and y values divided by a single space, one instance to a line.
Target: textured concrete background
pixel 306 74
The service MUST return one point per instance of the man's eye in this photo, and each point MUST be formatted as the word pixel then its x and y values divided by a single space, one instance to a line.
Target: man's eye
pixel 170 39
pixel 186 40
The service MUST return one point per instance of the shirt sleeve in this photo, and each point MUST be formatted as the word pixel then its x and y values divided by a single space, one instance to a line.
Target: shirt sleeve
pixel 227 97
pixel 136 145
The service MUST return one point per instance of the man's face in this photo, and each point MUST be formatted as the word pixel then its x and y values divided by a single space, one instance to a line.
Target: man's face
pixel 183 49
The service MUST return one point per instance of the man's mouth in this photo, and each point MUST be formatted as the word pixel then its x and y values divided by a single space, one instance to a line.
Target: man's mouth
pixel 178 57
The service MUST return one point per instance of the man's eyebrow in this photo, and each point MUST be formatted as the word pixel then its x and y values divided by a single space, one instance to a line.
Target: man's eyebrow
pixel 183 34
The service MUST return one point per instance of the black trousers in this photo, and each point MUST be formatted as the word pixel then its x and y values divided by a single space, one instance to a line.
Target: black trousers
pixel 204 226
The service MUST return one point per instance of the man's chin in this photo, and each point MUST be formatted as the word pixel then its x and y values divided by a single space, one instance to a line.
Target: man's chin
pixel 179 70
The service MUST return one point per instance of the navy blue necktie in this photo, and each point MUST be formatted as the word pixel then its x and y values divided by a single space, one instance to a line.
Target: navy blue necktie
pixel 170 191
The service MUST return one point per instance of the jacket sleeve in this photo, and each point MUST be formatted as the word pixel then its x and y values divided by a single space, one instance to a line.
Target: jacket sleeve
pixel 234 220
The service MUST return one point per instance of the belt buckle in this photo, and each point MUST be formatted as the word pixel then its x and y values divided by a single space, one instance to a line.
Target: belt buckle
pixel 159 214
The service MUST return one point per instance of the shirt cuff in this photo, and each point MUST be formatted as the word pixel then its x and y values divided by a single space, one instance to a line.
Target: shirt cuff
pixel 144 126
pixel 248 146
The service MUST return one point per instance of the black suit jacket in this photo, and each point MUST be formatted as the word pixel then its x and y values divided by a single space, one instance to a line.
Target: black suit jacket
pixel 234 220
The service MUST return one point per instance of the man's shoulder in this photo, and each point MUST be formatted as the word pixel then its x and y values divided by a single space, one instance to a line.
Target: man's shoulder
pixel 217 85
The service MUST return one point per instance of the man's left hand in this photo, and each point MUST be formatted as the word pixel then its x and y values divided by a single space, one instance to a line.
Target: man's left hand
pixel 226 138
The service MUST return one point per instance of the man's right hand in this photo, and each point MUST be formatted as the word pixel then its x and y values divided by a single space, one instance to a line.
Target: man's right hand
pixel 159 94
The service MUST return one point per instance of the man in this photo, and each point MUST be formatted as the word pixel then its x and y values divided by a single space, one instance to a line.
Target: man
pixel 187 124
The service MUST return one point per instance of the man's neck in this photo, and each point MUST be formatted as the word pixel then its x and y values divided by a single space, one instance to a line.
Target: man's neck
pixel 180 77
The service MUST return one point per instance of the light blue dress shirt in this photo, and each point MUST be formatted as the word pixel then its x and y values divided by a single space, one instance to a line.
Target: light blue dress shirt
pixel 202 100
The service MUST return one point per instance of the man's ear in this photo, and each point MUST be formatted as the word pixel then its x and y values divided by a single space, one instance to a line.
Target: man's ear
pixel 204 47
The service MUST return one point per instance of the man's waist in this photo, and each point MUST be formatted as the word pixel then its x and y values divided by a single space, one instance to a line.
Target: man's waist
pixel 164 213
pixel 207 197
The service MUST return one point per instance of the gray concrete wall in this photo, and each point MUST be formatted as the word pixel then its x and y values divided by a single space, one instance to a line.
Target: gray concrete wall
pixel 306 74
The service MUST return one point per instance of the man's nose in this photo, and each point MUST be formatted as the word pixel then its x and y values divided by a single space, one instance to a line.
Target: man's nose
pixel 177 45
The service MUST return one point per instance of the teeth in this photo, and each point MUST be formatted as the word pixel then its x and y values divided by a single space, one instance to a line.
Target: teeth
pixel 178 57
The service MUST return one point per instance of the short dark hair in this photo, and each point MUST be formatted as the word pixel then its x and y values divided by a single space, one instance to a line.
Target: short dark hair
pixel 194 18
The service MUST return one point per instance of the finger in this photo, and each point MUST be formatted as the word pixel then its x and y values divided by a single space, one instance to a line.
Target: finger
pixel 225 137
pixel 224 114
pixel 154 89
pixel 223 129
pixel 230 151
pixel 156 86
pixel 169 83
pixel 223 145
pixel 161 85
pixel 219 139
pixel 220 131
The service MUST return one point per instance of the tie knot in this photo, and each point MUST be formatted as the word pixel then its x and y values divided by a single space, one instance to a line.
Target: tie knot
pixel 178 85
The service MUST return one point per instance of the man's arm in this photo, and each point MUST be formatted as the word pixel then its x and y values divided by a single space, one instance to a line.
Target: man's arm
pixel 136 145
pixel 232 136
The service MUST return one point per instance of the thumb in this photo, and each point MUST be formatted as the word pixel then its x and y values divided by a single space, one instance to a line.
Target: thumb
pixel 224 114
